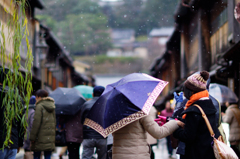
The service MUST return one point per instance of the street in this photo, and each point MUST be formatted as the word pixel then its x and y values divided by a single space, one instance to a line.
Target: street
pixel 160 152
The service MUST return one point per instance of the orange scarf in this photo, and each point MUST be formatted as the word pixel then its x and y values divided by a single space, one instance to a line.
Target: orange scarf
pixel 194 98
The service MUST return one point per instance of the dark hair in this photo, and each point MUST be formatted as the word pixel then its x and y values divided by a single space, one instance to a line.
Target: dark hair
pixel 41 93
pixel 168 101
pixel 187 92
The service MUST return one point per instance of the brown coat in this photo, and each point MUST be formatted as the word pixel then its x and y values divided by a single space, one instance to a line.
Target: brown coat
pixel 234 127
pixel 74 129
pixel 130 142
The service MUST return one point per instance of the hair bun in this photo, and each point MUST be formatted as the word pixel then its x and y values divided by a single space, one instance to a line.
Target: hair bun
pixel 205 75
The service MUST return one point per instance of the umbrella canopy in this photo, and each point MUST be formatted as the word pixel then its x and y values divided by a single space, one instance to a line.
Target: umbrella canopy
pixel 86 91
pixel 222 93
pixel 124 102
pixel 68 101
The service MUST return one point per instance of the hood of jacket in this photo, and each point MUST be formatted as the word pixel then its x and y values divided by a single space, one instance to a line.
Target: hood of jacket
pixel 233 106
pixel 47 103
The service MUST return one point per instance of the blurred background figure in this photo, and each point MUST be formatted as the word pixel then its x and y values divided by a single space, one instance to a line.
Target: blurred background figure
pixel 68 102
pixel 167 112
pixel 232 117
pixel 109 146
pixel 91 138
pixel 74 135
pixel 28 154
pixel 43 130
pixel 60 139
pixel 151 140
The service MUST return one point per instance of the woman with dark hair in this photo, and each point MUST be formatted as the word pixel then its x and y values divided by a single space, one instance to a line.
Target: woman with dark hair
pixel 195 134
pixel 42 134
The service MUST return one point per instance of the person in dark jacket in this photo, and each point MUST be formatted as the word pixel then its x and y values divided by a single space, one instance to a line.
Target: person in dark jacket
pixel 17 132
pixel 180 104
pixel 91 138
pixel 74 135
pixel 42 135
pixel 195 134
pixel 31 111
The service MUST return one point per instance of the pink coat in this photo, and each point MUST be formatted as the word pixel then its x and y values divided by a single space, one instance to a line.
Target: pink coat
pixel 166 113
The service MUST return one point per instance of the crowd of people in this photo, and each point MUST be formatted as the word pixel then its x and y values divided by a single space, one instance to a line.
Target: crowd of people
pixel 135 140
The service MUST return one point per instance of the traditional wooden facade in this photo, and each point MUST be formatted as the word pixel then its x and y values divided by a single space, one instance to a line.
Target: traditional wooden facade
pixel 6 13
pixel 52 65
pixel 206 37
pixel 58 65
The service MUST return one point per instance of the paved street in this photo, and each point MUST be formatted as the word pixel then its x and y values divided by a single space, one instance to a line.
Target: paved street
pixel 160 152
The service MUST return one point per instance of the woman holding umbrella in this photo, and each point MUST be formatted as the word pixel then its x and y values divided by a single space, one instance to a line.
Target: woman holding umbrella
pixel 122 110
pixel 131 140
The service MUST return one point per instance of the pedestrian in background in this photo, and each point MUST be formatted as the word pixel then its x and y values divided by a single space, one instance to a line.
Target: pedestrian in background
pixel 151 140
pixel 42 135
pixel 28 154
pixel 91 138
pixel 74 135
pixel 167 112
pixel 232 117
pixel 109 146
pixel 195 134
pixel 17 133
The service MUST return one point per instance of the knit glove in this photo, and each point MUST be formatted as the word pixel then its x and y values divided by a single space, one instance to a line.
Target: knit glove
pixel 178 98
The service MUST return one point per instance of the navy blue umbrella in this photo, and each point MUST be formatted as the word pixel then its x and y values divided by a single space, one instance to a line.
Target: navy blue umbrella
pixel 124 102
pixel 68 101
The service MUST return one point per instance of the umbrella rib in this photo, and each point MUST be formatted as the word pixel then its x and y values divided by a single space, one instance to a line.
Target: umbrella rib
pixel 138 81
pixel 131 82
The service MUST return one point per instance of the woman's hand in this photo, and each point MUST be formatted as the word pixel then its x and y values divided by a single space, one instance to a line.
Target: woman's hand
pixel 222 113
pixel 180 124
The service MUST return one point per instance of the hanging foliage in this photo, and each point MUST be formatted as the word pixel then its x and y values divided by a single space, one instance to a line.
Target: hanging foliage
pixel 17 86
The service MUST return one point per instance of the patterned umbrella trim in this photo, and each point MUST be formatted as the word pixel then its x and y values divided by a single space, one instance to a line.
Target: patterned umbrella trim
pixel 153 96
pixel 116 126
pixel 131 118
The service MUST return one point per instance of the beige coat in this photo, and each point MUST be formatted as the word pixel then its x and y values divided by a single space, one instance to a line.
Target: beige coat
pixel 130 142
pixel 151 140
pixel 234 127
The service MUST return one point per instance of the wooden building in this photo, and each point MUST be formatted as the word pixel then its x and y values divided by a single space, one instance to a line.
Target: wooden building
pixel 52 65
pixel 206 37
pixel 57 67
pixel 6 13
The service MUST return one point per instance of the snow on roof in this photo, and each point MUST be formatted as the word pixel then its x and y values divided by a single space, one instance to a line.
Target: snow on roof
pixel 122 33
pixel 164 31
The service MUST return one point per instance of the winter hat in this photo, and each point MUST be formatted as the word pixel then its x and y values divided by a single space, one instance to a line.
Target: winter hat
pixel 98 90
pixel 197 82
